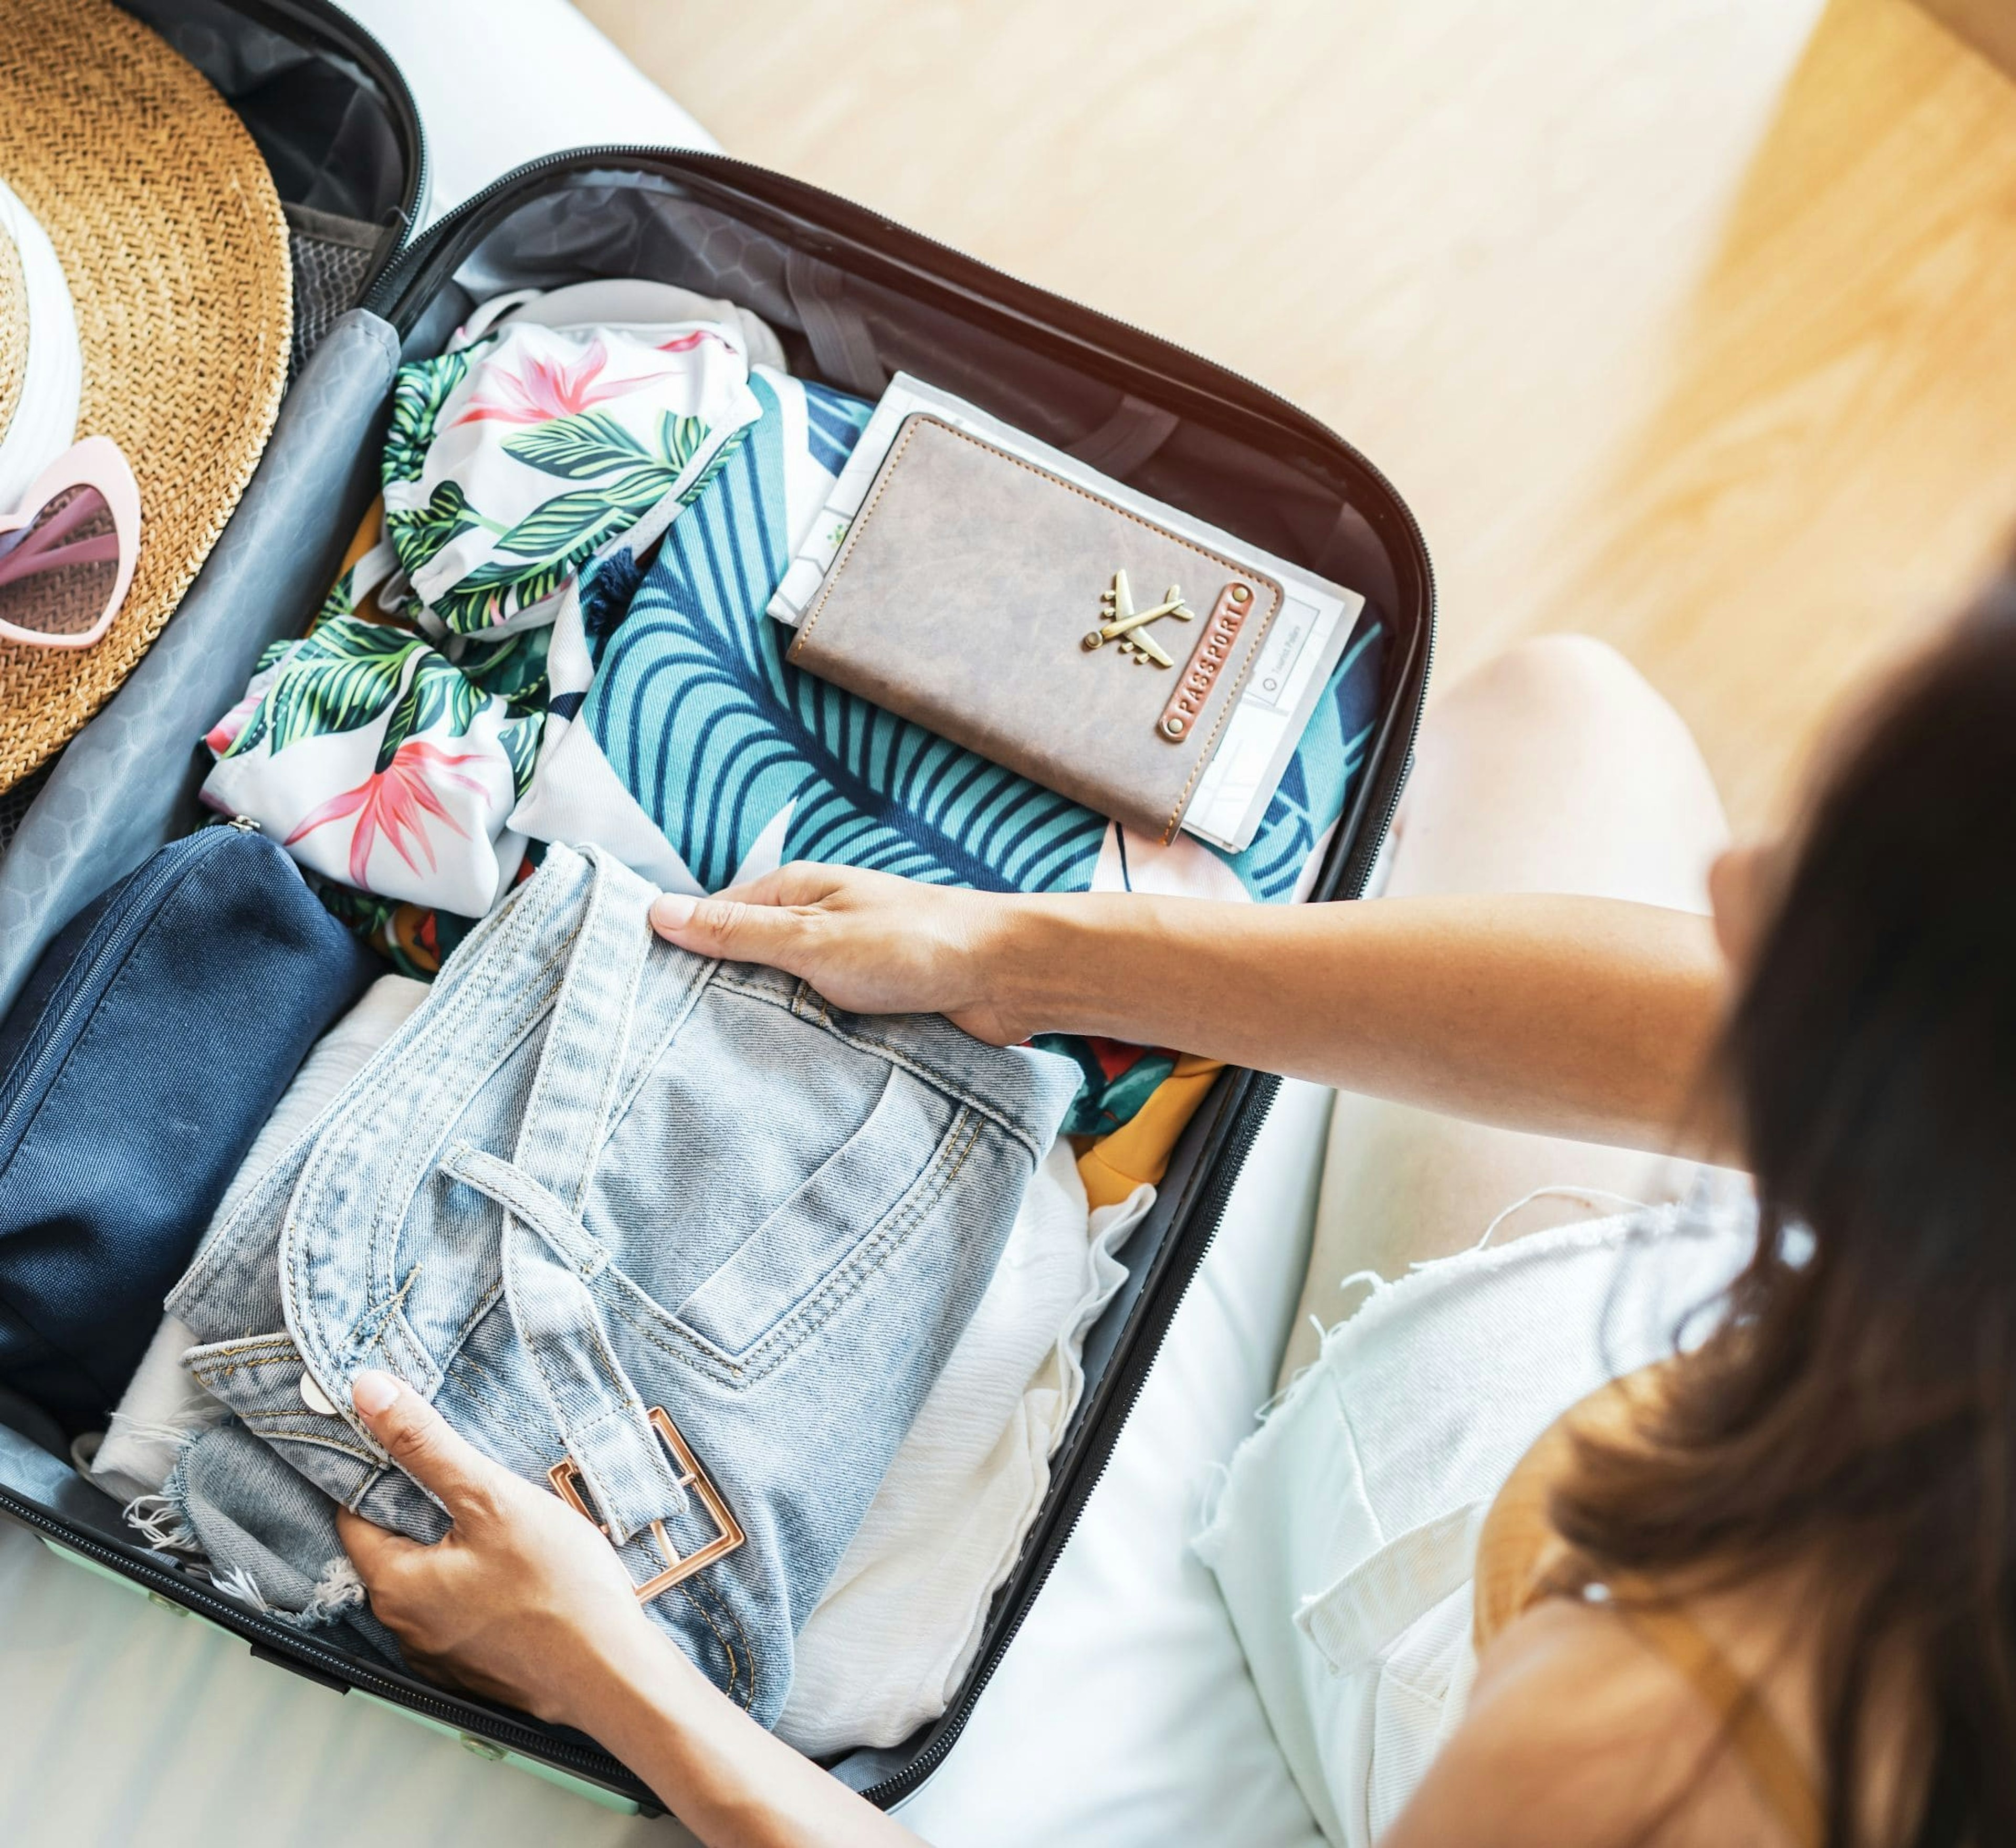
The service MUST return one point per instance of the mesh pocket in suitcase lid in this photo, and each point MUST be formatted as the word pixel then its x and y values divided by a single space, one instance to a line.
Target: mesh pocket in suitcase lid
pixel 335 259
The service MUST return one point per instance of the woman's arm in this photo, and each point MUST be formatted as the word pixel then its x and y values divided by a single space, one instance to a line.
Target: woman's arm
pixel 1585 1017
pixel 525 1602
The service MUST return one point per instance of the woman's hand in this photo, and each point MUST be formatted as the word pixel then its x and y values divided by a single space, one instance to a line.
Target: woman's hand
pixel 1559 1015
pixel 871 943
pixel 523 1602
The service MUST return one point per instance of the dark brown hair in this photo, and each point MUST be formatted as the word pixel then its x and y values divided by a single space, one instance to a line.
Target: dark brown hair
pixel 1856 1411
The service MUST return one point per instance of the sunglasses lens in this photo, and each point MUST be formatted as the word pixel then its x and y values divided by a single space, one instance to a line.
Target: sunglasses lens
pixel 57 574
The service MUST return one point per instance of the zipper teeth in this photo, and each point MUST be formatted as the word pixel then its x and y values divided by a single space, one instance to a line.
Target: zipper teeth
pixel 140 909
pixel 248 1625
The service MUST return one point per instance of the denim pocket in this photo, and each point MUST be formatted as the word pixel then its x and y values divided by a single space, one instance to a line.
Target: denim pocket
pixel 839 1226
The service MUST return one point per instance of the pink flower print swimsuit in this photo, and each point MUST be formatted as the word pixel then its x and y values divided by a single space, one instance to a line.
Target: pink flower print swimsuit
pixel 389 756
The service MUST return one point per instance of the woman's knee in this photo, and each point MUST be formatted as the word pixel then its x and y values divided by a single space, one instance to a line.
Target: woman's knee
pixel 1556 766
pixel 1548 683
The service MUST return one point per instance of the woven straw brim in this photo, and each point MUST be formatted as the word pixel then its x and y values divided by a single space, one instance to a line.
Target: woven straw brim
pixel 171 236
pixel 13 330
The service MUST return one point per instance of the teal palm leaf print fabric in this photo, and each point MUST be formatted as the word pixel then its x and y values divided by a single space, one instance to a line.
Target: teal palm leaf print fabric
pixel 716 734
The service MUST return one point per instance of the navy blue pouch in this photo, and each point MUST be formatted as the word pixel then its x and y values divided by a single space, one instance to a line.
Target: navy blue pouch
pixel 155 1037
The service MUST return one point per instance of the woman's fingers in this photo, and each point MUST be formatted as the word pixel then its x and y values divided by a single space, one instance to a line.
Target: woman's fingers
pixel 427 1448
pixel 373 1551
pixel 742 931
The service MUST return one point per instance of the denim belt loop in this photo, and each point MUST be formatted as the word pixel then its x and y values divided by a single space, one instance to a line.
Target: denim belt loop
pixel 548 1258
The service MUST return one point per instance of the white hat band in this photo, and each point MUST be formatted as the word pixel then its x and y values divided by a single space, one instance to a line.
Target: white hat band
pixel 44 421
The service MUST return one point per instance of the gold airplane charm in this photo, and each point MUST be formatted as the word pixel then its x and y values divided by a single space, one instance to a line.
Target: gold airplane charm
pixel 1129 626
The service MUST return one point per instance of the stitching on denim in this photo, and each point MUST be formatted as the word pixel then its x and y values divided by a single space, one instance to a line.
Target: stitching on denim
pixel 507 946
pixel 941 1081
pixel 650 1061
pixel 403 1161
pixel 685 1591
pixel 474 993
pixel 870 1254
pixel 305 1437
pixel 246 1344
pixel 523 1202
pixel 778 1343
pixel 519 1193
pixel 468 1371
pixel 767 1353
pixel 721 1604
pixel 485 1304
pixel 571 1435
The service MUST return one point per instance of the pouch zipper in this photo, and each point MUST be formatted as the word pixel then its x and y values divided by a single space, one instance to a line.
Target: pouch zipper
pixel 126 918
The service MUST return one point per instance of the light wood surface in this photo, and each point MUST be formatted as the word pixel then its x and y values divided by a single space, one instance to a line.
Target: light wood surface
pixel 1989 24
pixel 1685 322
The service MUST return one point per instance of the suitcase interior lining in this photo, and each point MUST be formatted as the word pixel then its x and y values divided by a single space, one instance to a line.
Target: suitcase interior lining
pixel 326 128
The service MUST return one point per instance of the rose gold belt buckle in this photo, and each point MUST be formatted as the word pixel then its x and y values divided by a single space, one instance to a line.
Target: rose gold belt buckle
pixel 565 1476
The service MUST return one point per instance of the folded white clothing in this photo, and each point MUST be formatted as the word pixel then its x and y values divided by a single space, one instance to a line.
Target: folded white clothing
pixel 632 303
pixel 162 1404
pixel 899 1626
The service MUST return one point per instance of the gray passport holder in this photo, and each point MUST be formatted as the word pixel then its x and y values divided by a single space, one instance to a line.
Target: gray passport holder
pixel 982 596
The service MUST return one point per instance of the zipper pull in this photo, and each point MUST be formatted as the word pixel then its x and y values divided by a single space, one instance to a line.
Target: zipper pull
pixel 244 824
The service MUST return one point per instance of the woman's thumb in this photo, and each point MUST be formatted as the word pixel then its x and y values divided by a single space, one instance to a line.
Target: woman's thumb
pixel 422 1443
pixel 733 928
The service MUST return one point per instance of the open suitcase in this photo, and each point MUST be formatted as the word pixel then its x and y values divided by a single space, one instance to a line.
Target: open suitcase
pixel 856 298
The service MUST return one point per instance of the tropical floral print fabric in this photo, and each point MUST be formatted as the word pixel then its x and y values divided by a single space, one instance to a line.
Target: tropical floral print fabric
pixel 388 755
pixel 511 462
pixel 377 760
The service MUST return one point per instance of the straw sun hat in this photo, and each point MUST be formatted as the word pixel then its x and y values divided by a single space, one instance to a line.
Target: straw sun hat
pixel 168 323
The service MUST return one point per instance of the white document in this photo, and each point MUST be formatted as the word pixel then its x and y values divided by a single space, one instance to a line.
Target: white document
pixel 1303 645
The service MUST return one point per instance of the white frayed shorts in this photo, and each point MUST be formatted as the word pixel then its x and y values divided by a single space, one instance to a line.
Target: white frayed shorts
pixel 1343 1533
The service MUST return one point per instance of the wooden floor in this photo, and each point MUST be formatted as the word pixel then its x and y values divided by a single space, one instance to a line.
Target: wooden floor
pixel 1686 323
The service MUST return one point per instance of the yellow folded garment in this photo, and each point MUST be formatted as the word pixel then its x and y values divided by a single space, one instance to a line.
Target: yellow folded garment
pixel 1139 1151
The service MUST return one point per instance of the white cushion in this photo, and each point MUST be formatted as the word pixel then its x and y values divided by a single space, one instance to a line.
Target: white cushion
pixel 501 82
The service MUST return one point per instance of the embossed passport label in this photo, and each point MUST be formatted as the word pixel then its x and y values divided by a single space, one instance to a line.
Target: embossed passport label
pixel 1207 661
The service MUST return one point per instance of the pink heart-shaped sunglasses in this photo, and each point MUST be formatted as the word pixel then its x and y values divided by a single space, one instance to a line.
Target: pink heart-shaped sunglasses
pixel 66 560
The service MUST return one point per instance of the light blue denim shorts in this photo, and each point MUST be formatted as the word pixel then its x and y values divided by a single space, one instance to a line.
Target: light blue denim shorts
pixel 673 1235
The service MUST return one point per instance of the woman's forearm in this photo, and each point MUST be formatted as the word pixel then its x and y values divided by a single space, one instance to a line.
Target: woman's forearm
pixel 731 1783
pixel 1585 1017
